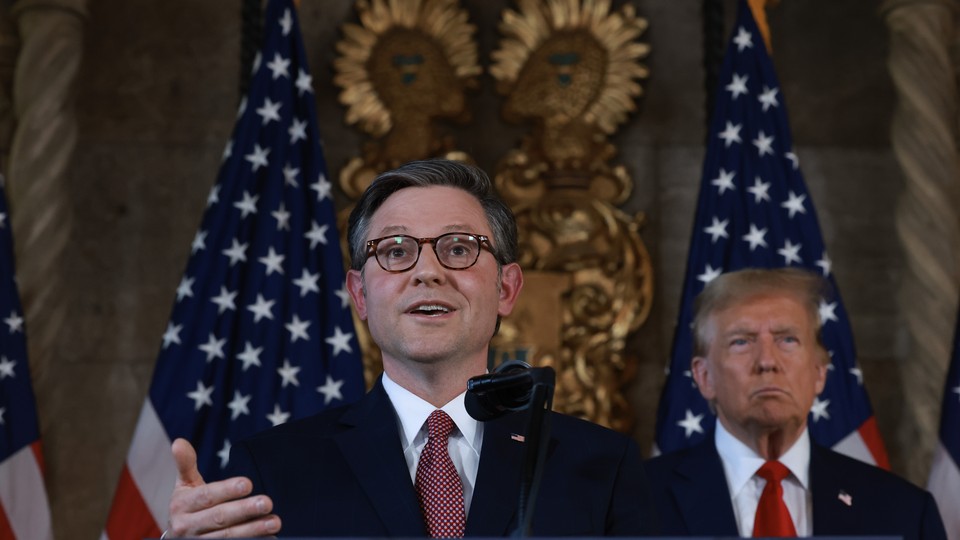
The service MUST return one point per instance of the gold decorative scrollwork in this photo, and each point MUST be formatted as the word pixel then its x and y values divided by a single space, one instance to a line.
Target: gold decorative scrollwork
pixel 571 68
pixel 406 65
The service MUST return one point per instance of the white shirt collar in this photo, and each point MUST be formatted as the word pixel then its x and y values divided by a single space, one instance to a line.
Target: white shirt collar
pixel 740 462
pixel 412 412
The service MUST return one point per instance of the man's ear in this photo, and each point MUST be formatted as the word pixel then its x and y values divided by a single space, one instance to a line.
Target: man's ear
pixel 701 375
pixel 355 288
pixel 511 281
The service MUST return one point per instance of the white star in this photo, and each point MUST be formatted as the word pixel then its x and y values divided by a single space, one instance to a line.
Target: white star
pixel 794 160
pixel 250 356
pixel 691 424
pixel 237 252
pixel 709 274
pixel 724 181
pixel 307 282
pixel 297 131
pixel 340 341
pixel 213 347
pixel 827 312
pixel 214 196
pixel 227 151
pixel 14 322
pixel 278 416
pixel 737 86
pixel 343 295
pixel 238 405
pixel 199 242
pixel 248 205
pixel 297 329
pixel 743 39
pixel 730 134
pixel 790 252
pixel 258 158
pixel 825 264
pixel 262 308
pixel 756 237
pixel 764 144
pixel 794 204
pixel 290 175
pixel 288 374
pixel 224 300
pixel 6 367
pixel 224 453
pixel 3 220
pixel 242 108
pixel 768 98
pixel 717 229
pixel 304 83
pixel 256 65
pixel 279 66
pixel 819 409
pixel 282 217
pixel 330 390
pixel 286 22
pixel 2 410
pixel 185 288
pixel 760 190
pixel 855 371
pixel 269 111
pixel 172 335
pixel 322 187
pixel 201 396
pixel 273 262
pixel 317 234
pixel 956 390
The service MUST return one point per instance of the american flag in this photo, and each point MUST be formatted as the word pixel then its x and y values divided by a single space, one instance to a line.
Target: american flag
pixel 754 211
pixel 261 330
pixel 24 511
pixel 944 480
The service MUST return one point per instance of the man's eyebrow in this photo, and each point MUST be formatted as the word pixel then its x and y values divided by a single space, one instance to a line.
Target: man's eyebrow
pixel 393 229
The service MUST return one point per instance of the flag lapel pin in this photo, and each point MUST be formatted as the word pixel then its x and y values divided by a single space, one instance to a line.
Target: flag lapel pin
pixel 517 437
pixel 845 498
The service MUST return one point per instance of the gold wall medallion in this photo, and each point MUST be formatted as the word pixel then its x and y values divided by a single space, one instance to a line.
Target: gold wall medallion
pixel 571 69
pixel 406 65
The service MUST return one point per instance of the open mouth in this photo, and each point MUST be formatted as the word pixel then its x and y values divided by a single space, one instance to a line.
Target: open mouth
pixel 431 310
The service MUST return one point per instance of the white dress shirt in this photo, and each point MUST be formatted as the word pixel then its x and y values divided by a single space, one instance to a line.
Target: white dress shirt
pixel 740 464
pixel 464 443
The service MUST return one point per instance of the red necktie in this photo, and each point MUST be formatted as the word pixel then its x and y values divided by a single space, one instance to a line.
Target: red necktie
pixel 438 484
pixel 773 518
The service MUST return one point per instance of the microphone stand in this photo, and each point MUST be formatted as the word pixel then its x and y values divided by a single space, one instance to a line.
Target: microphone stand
pixel 535 449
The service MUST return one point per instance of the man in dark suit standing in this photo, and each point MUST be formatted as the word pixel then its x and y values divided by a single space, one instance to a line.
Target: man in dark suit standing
pixel 759 362
pixel 433 269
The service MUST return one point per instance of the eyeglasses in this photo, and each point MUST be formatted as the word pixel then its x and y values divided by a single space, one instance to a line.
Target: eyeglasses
pixel 400 252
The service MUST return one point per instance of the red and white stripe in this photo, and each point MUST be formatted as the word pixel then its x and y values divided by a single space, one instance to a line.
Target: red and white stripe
pixel 865 444
pixel 24 511
pixel 142 501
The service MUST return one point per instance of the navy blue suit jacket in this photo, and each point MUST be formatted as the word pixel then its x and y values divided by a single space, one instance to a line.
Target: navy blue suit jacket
pixel 692 497
pixel 342 473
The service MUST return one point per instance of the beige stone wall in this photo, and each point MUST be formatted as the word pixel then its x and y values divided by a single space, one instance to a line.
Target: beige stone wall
pixel 156 96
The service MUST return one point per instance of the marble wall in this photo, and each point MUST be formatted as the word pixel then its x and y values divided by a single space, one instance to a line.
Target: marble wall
pixel 156 98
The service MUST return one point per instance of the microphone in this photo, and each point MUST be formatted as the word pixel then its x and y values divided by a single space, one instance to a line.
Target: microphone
pixel 505 390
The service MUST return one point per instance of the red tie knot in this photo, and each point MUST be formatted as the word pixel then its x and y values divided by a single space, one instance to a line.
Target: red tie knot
pixel 773 471
pixel 439 424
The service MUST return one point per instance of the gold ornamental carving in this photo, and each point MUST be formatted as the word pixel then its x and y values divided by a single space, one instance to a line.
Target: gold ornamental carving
pixel 406 66
pixel 571 70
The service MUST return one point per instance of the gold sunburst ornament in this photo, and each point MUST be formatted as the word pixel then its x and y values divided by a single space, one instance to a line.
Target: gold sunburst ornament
pixel 405 65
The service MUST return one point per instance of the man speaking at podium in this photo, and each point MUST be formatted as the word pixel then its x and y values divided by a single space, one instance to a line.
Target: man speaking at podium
pixel 433 269
pixel 759 362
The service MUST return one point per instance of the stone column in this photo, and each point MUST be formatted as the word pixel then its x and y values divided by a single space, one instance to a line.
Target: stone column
pixel 51 47
pixel 924 136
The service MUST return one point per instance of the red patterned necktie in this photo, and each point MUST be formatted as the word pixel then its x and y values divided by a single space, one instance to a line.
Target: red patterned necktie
pixel 773 519
pixel 438 484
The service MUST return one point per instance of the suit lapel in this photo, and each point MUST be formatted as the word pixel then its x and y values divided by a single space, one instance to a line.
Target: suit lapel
pixel 495 495
pixel 833 509
pixel 372 450
pixel 702 495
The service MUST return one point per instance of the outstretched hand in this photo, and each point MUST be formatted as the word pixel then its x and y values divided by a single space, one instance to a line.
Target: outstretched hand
pixel 221 509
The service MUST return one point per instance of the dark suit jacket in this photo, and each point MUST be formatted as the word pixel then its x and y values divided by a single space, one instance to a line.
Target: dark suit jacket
pixel 692 497
pixel 342 473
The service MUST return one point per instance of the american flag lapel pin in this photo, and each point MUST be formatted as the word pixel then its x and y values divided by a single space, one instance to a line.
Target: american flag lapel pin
pixel 517 437
pixel 845 498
